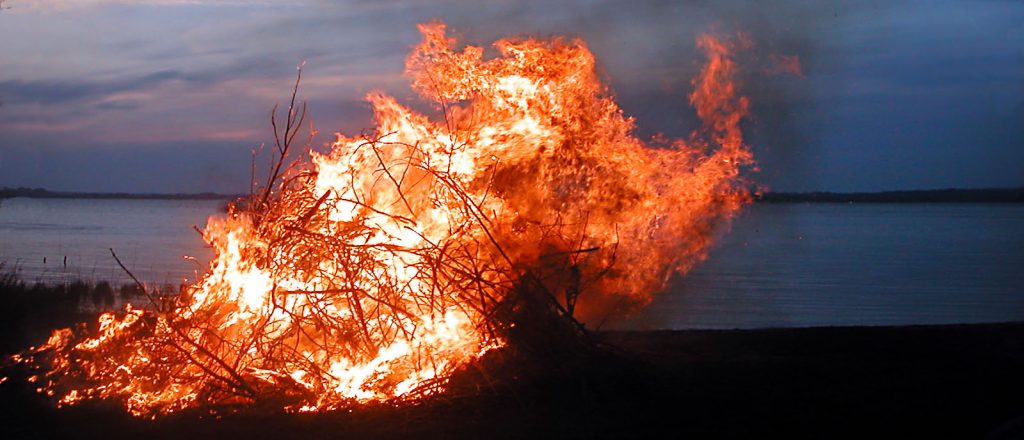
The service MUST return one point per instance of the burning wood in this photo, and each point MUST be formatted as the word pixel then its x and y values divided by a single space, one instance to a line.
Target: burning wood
pixel 373 272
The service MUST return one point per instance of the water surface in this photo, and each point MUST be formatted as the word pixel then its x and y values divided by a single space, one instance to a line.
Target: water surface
pixel 854 264
pixel 151 237
pixel 780 265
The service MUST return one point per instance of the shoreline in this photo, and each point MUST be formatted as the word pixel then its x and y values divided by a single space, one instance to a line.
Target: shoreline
pixel 943 381
pixel 952 381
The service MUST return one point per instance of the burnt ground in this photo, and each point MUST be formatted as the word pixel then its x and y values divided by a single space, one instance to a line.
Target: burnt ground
pixel 959 381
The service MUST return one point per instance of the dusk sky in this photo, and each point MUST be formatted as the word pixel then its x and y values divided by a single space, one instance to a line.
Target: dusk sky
pixel 171 95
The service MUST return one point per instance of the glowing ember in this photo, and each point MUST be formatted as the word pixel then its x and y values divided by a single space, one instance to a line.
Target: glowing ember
pixel 372 272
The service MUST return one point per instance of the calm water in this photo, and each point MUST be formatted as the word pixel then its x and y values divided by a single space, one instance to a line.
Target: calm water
pixel 854 264
pixel 781 265
pixel 150 237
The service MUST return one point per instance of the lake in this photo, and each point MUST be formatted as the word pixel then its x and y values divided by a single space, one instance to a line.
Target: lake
pixel 781 265
pixel 151 237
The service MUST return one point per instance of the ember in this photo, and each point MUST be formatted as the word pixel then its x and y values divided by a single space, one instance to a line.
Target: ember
pixel 373 272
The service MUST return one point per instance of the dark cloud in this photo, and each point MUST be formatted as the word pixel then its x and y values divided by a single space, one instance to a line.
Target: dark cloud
pixel 64 92
pixel 119 105
pixel 893 95
pixel 52 92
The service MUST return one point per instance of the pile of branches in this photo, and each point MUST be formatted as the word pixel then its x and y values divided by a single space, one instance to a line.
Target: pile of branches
pixel 525 309
pixel 378 270
pixel 332 293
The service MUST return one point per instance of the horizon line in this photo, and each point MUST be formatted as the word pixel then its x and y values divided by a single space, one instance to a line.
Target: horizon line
pixel 949 194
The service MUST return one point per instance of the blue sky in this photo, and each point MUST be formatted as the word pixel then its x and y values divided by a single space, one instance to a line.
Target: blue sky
pixel 171 95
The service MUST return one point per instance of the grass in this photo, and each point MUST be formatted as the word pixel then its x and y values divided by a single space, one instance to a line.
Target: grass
pixel 29 312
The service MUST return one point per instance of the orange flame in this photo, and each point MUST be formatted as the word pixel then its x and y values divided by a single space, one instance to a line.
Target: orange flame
pixel 373 271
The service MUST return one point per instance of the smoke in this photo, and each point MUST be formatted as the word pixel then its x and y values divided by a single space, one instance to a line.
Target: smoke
pixel 650 69
pixel 789 47
pixel 646 52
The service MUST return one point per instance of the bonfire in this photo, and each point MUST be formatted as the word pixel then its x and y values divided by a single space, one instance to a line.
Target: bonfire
pixel 376 270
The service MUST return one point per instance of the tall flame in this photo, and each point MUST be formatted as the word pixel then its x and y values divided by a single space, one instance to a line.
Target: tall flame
pixel 372 272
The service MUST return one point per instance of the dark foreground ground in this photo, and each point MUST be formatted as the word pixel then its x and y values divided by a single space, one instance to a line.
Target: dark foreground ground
pixel 963 381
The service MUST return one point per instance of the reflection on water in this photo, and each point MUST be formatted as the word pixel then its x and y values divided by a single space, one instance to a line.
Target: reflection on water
pixel 780 265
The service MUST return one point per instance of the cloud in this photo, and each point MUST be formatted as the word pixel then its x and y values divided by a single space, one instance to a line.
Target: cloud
pixel 87 73
pixel 119 105
pixel 101 92
pixel 63 92
pixel 69 5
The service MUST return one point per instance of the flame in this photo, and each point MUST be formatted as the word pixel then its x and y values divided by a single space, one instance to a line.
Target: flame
pixel 373 271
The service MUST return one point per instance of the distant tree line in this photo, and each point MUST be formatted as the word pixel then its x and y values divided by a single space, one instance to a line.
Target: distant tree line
pixel 987 195
pixel 40 193
pixel 951 195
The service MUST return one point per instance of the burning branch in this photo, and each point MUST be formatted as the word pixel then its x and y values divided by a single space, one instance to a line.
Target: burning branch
pixel 375 271
pixel 283 141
